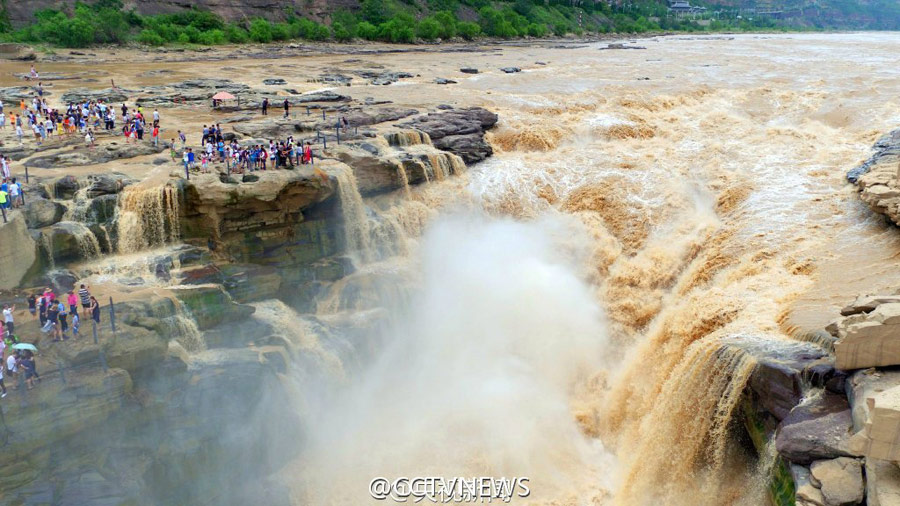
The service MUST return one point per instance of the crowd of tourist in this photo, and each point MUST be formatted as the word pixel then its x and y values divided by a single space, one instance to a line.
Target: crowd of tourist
pixel 240 158
pixel 58 315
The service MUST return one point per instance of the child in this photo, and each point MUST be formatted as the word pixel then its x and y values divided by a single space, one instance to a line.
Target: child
pixel 204 162
pixel 76 325
pixel 172 150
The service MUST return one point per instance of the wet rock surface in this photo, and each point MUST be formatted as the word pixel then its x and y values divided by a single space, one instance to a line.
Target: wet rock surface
pixel 819 429
pixel 877 177
pixel 459 131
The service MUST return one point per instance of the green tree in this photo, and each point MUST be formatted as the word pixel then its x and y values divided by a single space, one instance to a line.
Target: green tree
pixel 428 29
pixel 468 30
pixel 260 30
pixel 375 11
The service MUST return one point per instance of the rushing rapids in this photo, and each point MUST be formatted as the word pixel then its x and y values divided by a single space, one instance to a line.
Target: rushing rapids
pixel 587 307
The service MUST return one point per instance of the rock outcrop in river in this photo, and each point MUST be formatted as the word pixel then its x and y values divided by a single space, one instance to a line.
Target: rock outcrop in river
pixel 878 177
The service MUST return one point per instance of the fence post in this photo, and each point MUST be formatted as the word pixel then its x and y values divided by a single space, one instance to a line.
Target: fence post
pixel 307 111
pixel 26 174
pixel 3 209
pixel 94 328
pixel 112 316
pixel 337 133
pixel 187 172
pixel 323 113
pixel 103 361
pixel 62 372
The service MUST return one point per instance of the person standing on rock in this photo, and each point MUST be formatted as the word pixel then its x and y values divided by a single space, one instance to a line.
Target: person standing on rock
pixel 155 135
pixel 287 108
pixel 52 324
pixel 12 367
pixel 32 305
pixel 72 300
pixel 8 318
pixel 307 153
pixel 30 368
pixel 63 320
pixel 95 310
pixel 85 297
pixel 15 192
pixel 265 107
pixel 2 385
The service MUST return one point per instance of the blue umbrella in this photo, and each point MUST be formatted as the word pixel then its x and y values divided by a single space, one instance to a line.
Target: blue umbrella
pixel 24 346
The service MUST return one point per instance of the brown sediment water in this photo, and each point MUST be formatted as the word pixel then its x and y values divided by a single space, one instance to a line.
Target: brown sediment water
pixel 703 205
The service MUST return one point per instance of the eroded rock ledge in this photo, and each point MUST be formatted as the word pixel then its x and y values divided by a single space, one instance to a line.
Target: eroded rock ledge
pixel 877 177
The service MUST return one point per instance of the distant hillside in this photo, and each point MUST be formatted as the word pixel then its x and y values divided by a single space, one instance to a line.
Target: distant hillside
pixel 71 23
pixel 837 14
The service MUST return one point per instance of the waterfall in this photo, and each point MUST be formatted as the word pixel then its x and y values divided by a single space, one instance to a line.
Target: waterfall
pixel 87 241
pixel 356 223
pixel 404 138
pixel 47 244
pixel 681 448
pixel 444 165
pixel 183 328
pixel 148 217
pixel 306 339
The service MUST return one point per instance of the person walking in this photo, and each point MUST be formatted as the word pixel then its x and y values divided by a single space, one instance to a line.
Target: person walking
pixel 287 107
pixel 265 107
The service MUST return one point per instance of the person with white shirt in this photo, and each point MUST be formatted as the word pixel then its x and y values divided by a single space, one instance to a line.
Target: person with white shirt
pixel 8 318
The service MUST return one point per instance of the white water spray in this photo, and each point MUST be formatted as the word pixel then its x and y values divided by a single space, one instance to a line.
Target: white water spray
pixel 478 379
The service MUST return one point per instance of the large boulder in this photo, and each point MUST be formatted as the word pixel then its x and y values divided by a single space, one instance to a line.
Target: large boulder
pixel 216 209
pixel 459 131
pixel 70 241
pixel 819 429
pixel 840 480
pixel 882 483
pixel 107 95
pixel 783 371
pixel 40 213
pixel 18 251
pixel 805 492
pixel 11 51
pixel 879 437
pixel 101 154
pixel 868 339
pixel 106 184
pixel 275 129
pixel 877 178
